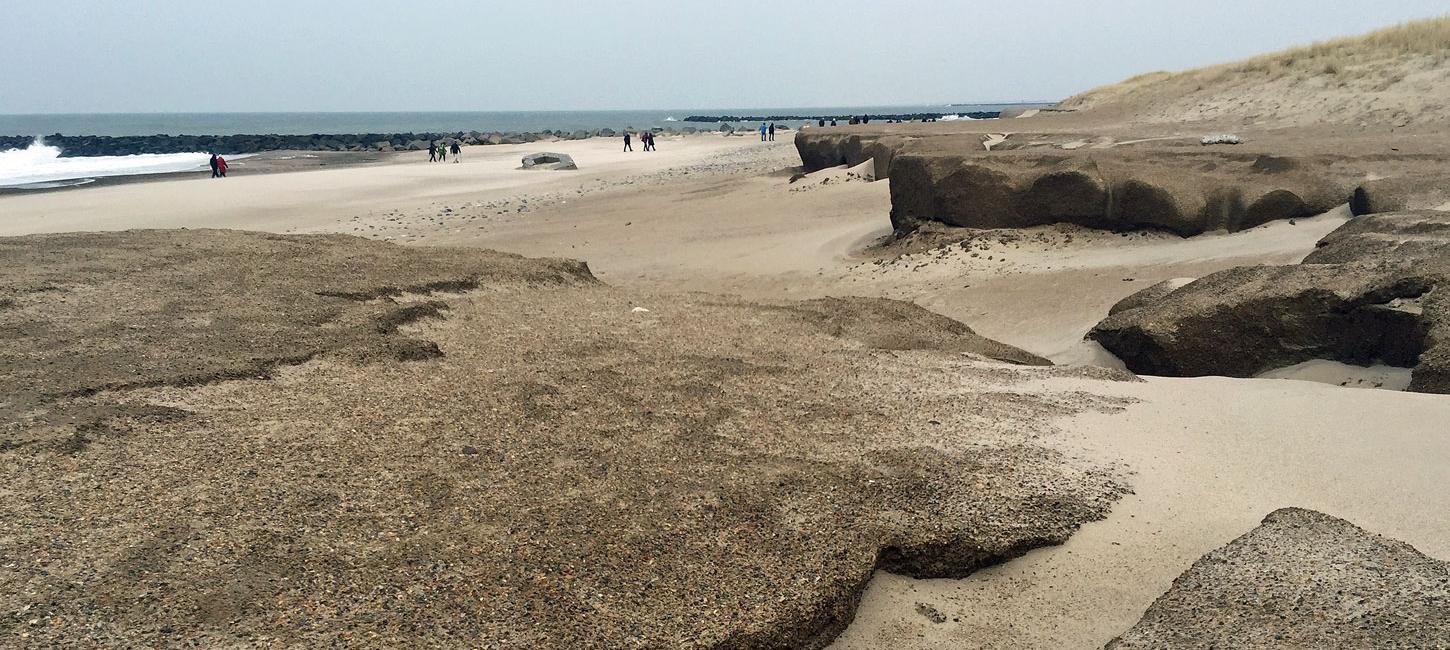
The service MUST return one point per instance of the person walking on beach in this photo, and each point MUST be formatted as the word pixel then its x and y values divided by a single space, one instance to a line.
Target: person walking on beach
pixel 626 142
pixel 649 140
pixel 442 152
pixel 772 131
pixel 762 131
pixel 455 150
pixel 432 151
pixel 214 173
pixel 221 166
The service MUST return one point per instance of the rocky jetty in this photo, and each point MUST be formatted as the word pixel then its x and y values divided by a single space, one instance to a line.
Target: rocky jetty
pixel 885 117
pixel 1377 290
pixel 1302 579
pixel 99 145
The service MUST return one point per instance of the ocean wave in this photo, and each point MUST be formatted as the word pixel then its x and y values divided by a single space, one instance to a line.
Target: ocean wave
pixel 40 164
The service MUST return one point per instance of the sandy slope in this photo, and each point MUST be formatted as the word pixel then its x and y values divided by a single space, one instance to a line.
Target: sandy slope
pixel 1211 456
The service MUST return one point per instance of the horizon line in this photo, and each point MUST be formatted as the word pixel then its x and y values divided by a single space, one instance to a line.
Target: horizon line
pixel 552 110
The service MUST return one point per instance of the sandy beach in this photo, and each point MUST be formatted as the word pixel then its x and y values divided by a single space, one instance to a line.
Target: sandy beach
pixel 1163 365
pixel 1206 458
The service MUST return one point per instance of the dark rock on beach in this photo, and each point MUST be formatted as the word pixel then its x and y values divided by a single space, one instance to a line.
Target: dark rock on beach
pixel 1377 290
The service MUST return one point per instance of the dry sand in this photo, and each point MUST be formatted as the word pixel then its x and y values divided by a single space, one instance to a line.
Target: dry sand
pixel 321 200
pixel 1210 457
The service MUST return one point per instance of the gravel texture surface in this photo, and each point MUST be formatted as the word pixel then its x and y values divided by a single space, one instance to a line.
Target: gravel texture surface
pixel 219 445
pixel 1302 579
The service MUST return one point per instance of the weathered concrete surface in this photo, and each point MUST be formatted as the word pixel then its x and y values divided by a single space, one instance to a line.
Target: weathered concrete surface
pixel 820 149
pixel 1151 294
pixel 94 312
pixel 895 325
pixel 572 466
pixel 1302 579
pixel 1105 177
pixel 1374 292
pixel 1414 191
pixel 1186 192
pixel 553 161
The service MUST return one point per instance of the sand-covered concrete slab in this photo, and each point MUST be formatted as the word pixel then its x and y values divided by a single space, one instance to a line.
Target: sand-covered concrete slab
pixel 1302 579
pixel 577 466
pixel 86 313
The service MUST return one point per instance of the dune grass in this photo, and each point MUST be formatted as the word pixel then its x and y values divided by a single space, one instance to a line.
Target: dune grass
pixel 1378 54
pixel 1422 38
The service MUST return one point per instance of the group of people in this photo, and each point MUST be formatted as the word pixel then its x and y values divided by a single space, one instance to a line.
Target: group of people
pixel 438 151
pixel 646 138
pixel 767 132
pixel 218 166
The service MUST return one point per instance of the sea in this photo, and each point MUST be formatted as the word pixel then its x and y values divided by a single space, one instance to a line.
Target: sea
pixel 41 166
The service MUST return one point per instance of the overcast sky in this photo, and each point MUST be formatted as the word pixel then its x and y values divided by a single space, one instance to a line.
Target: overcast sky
pixel 372 55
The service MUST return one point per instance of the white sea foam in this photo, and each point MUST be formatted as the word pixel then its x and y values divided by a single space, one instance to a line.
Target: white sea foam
pixel 41 165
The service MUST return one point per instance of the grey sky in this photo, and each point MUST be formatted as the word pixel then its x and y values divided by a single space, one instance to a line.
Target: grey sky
pixel 360 55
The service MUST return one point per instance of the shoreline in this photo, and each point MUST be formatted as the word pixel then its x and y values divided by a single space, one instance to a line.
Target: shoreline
pixel 327 192
pixel 270 162
pixel 83 146
pixel 275 162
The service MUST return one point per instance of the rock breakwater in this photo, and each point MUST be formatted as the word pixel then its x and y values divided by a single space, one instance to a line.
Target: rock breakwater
pixel 902 117
pixel 99 145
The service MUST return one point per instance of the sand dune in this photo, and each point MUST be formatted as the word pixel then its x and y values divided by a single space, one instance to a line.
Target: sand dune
pixel 1392 77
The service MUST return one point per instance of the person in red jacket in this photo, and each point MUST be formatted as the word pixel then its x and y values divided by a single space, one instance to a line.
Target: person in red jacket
pixel 221 166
